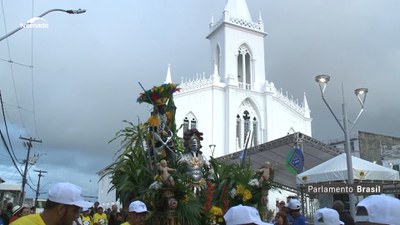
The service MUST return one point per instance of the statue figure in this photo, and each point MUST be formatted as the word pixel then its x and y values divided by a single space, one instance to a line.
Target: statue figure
pixel 161 135
pixel 265 172
pixel 161 122
pixel 194 161
pixel 163 173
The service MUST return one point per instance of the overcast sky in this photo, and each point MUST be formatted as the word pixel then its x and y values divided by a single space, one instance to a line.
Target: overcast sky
pixel 87 68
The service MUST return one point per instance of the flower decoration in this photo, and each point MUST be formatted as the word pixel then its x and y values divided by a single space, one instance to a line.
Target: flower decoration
pixel 241 192
pixel 208 197
pixel 158 95
pixel 254 183
pixel 216 214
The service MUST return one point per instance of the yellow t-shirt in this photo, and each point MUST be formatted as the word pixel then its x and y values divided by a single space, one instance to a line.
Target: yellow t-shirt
pixel 125 223
pixel 32 219
pixel 86 220
pixel 100 219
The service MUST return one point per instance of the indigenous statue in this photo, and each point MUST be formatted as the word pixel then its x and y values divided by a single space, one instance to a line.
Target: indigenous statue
pixel 161 122
pixel 195 163
pixel 161 134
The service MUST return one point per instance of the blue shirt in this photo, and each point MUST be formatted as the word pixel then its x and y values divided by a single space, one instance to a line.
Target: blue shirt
pixel 300 220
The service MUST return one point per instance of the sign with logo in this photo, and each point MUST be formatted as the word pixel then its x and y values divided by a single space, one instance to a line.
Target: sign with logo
pixel 339 188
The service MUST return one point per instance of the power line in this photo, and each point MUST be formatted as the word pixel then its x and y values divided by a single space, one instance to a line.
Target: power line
pixel 8 150
pixel 32 73
pixel 11 65
pixel 7 132
pixel 16 63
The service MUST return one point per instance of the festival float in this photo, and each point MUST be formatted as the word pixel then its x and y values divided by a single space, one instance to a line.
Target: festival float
pixel 173 177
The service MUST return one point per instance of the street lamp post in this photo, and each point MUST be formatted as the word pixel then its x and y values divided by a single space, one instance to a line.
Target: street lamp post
pixel 78 11
pixel 361 94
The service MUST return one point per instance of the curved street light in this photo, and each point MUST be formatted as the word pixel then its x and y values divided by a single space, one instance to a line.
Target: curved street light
pixel 70 11
pixel 361 94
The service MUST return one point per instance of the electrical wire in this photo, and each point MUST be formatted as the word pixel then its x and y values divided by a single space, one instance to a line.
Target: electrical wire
pixel 8 150
pixel 7 132
pixel 17 63
pixel 32 76
pixel 11 65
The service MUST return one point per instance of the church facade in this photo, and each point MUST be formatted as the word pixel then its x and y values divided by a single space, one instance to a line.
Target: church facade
pixel 236 106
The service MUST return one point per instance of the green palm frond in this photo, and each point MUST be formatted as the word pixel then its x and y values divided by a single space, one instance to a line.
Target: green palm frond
pixel 130 173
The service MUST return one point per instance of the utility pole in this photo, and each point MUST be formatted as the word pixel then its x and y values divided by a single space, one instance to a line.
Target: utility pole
pixel 38 184
pixel 27 144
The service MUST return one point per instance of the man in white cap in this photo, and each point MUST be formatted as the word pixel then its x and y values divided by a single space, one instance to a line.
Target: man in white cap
pixel 85 217
pixel 136 213
pixel 294 212
pixel 62 207
pixel 240 214
pixel 327 216
pixel 378 210
pixel 100 218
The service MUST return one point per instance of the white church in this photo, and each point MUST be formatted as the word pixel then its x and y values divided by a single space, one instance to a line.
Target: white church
pixel 236 102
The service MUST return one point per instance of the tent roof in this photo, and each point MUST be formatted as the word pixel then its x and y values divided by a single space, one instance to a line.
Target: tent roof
pixel 10 187
pixel 335 169
pixel 276 151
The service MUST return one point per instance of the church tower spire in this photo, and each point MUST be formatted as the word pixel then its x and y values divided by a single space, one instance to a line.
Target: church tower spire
pixel 240 100
pixel 307 110
pixel 168 78
pixel 237 47
pixel 237 9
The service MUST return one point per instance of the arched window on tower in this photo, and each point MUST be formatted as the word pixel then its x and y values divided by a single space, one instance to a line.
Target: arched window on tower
pixel 248 75
pixel 255 133
pixel 246 121
pixel 240 70
pixel 218 59
pixel 185 124
pixel 247 128
pixel 189 122
pixel 238 130
pixel 193 123
pixel 244 68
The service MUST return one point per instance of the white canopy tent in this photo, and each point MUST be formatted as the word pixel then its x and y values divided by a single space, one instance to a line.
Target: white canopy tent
pixel 335 169
pixel 10 187
pixel 9 192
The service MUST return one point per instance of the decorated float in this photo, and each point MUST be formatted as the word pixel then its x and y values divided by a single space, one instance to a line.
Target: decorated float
pixel 171 175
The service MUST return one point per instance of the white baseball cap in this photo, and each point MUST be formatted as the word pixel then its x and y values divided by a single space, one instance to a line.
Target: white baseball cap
pixel 243 215
pixel 327 216
pixel 294 204
pixel 382 209
pixel 68 194
pixel 16 209
pixel 138 207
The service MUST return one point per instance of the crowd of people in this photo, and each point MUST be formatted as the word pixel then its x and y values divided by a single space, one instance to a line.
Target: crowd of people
pixel 11 213
pixel 65 206
pixel 372 210
pixel 289 213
